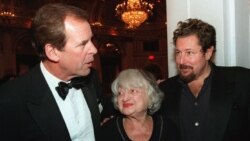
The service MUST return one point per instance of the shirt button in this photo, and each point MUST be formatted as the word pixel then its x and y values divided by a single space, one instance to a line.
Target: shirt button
pixel 195 103
pixel 196 124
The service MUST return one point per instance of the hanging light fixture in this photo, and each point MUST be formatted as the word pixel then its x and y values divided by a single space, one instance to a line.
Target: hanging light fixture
pixel 134 12
pixel 7 14
pixel 7 9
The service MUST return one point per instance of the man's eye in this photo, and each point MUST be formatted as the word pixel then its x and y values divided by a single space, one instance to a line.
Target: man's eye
pixel 190 53
pixel 177 52
pixel 83 44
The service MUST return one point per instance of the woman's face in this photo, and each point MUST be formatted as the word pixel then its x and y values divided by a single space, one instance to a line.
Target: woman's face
pixel 132 102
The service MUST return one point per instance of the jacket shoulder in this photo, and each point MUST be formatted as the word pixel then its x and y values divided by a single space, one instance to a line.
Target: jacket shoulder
pixel 169 83
pixel 235 72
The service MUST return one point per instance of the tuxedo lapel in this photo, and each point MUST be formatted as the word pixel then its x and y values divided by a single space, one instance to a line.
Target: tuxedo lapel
pixel 44 110
pixel 91 100
pixel 220 106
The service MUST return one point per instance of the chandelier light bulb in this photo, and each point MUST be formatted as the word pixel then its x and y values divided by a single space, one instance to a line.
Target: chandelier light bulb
pixel 134 12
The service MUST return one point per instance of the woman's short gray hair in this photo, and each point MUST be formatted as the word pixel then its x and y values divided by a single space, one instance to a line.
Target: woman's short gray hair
pixel 137 78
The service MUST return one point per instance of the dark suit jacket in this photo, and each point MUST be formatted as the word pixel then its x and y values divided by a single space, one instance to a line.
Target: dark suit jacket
pixel 28 110
pixel 229 105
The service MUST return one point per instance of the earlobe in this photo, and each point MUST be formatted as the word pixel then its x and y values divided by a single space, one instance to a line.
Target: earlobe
pixel 51 52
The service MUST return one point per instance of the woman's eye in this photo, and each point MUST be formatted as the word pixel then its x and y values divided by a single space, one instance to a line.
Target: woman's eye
pixel 120 93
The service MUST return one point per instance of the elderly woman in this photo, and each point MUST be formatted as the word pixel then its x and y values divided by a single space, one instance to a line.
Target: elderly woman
pixel 137 96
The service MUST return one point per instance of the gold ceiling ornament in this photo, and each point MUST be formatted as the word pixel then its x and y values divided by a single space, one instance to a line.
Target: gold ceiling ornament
pixel 134 12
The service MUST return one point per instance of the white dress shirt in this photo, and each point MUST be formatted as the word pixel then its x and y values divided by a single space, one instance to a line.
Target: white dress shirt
pixel 74 110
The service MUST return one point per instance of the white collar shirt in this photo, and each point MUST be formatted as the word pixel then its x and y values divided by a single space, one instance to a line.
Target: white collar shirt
pixel 74 110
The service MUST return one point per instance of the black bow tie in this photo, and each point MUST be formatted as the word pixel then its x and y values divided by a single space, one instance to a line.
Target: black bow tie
pixel 63 88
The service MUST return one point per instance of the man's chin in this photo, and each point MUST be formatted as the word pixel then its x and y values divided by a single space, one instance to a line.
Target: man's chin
pixel 84 72
pixel 187 79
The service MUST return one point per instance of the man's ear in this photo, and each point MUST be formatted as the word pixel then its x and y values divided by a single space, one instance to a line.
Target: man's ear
pixel 51 52
pixel 209 53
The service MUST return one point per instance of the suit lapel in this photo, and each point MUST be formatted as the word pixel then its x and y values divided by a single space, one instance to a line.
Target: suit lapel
pixel 91 100
pixel 44 109
pixel 220 106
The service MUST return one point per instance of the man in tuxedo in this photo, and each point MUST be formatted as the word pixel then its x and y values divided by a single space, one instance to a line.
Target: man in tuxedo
pixel 58 99
pixel 204 101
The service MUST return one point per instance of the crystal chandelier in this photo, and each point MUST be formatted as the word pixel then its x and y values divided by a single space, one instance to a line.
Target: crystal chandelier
pixel 134 12
pixel 7 9
pixel 7 14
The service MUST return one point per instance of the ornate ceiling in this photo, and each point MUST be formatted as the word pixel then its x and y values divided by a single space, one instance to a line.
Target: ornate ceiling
pixel 101 11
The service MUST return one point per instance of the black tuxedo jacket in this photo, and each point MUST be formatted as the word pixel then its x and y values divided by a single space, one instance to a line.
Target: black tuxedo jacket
pixel 229 105
pixel 28 110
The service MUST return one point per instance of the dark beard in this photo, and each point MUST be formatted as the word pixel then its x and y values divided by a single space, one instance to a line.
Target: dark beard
pixel 189 78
